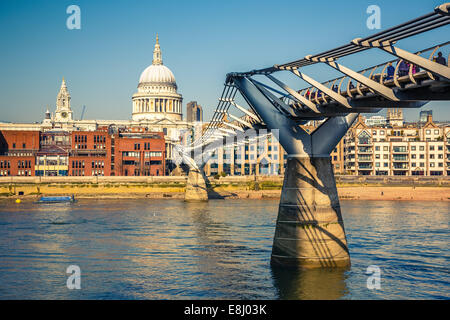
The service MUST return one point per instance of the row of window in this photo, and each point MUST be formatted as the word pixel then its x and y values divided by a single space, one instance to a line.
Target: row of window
pixel 398 133
pixel 405 166
pixel 405 149
pixel 24 173
pixel 98 164
pixel 25 164
pixel 19 173
pixel 5 164
pixel 144 172
pixel 137 146
pixel 395 157
pixel 146 163
pixel 404 157
pixel 98 172
pixel 99 139
pixel 79 138
pixel 130 154
pixel 153 154
pixel 146 154
pixel 24 145
pixel 80 172
pixel 52 162
pixel 95 164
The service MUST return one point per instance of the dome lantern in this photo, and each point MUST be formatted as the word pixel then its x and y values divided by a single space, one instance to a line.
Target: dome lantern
pixel 157 56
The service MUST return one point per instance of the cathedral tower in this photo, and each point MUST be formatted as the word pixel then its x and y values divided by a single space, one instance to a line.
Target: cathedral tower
pixel 63 111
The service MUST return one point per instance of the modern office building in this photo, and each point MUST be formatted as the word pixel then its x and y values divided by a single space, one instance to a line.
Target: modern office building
pixel 194 112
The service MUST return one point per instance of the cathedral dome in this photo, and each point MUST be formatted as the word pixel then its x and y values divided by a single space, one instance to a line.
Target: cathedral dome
pixel 157 74
pixel 157 97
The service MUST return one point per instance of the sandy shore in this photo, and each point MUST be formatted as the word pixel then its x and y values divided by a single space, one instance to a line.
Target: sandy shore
pixel 362 193
pixel 395 193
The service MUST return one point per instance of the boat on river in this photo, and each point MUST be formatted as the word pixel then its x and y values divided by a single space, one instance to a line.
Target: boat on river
pixel 57 199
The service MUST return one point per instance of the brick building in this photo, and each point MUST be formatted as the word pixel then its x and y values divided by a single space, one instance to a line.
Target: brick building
pixel 18 152
pixel 140 154
pixel 91 153
pixel 104 152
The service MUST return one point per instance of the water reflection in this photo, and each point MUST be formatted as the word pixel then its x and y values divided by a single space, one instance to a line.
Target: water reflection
pixel 220 259
pixel 310 284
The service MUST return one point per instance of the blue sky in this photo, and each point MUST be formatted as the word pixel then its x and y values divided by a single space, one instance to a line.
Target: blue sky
pixel 201 41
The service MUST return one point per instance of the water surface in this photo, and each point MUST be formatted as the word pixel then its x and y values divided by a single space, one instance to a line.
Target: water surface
pixel 168 249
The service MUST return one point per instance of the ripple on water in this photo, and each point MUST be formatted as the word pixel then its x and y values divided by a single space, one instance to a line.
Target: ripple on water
pixel 160 249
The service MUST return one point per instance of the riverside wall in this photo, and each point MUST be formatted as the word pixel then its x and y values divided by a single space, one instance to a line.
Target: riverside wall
pixel 249 187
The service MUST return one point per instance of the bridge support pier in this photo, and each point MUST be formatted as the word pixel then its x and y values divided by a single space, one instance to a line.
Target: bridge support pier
pixel 196 189
pixel 310 230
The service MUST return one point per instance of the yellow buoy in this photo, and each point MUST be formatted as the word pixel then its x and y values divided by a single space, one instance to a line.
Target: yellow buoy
pixel 18 201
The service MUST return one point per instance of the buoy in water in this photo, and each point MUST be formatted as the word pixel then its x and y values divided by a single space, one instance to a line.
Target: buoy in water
pixel 18 201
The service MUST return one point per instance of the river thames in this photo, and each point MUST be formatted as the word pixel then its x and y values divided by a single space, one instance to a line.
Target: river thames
pixel 168 249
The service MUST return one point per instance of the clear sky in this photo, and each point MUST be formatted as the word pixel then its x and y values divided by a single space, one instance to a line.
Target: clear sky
pixel 201 41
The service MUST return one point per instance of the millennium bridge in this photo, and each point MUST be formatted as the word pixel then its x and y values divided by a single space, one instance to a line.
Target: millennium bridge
pixel 309 229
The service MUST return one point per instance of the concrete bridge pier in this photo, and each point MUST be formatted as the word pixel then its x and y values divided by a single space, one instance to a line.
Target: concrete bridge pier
pixel 196 189
pixel 309 231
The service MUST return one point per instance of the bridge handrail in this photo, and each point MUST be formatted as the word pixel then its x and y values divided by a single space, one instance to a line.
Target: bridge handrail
pixel 371 76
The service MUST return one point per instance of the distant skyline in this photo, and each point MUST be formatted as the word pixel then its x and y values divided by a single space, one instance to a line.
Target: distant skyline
pixel 201 41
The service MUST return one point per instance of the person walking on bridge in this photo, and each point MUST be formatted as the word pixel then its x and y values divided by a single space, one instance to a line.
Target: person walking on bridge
pixel 390 72
pixel 403 69
pixel 440 59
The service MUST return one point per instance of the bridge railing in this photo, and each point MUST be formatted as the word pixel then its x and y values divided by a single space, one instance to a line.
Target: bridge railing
pixel 350 88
